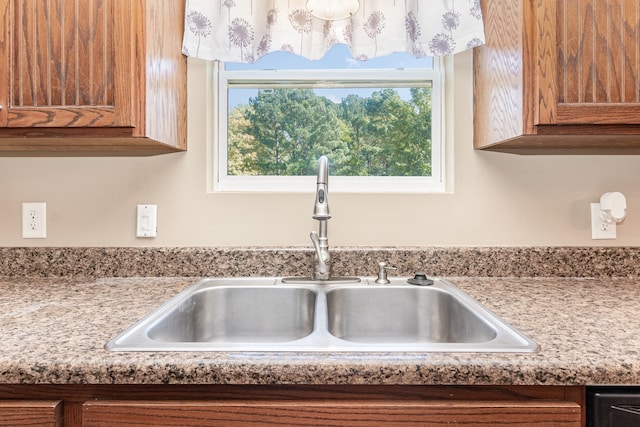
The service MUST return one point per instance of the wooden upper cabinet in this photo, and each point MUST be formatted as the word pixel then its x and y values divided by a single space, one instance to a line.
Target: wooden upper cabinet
pixel 558 76
pixel 92 77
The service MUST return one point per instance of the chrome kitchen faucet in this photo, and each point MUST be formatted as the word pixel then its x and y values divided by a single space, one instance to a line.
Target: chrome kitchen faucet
pixel 322 257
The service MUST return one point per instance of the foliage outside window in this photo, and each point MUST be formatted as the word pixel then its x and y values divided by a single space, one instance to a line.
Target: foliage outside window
pixel 379 126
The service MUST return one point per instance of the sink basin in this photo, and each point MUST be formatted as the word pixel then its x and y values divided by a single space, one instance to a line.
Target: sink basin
pixel 227 314
pixel 238 314
pixel 409 314
pixel 265 314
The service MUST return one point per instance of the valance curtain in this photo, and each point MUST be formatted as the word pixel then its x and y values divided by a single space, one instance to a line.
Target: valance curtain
pixel 245 30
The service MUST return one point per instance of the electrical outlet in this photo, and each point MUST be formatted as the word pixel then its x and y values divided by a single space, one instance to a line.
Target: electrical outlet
pixel 34 220
pixel 600 229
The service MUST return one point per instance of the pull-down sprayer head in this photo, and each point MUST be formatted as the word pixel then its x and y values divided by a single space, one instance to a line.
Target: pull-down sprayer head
pixel 321 206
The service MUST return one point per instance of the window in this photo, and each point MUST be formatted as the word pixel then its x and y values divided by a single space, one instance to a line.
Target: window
pixel 379 122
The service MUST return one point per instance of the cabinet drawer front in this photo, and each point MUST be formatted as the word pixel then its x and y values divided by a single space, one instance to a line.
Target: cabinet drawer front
pixel 310 413
pixel 26 413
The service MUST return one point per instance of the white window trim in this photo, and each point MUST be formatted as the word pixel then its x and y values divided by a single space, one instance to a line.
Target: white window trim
pixel 219 181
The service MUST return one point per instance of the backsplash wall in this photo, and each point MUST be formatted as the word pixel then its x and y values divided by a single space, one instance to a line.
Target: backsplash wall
pixel 498 199
pixel 586 262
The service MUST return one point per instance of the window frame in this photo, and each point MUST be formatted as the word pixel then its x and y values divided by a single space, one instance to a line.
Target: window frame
pixel 218 180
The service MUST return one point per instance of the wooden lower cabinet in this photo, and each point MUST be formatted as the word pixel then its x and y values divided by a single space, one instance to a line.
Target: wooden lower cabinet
pixel 297 405
pixel 348 413
pixel 30 413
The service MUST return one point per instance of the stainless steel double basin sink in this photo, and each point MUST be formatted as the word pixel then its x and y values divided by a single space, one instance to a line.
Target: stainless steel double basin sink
pixel 265 314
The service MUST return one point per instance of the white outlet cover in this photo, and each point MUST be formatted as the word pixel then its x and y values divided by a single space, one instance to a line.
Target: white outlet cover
pixel 600 229
pixel 34 220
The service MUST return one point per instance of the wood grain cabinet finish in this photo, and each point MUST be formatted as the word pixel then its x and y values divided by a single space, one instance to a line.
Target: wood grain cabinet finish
pixel 161 405
pixel 558 76
pixel 92 77
pixel 346 413
pixel 30 413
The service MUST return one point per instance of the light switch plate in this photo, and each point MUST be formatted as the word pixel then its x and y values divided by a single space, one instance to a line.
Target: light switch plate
pixel 147 224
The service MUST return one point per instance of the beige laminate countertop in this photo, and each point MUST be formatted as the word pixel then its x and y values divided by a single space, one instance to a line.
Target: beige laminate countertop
pixel 54 330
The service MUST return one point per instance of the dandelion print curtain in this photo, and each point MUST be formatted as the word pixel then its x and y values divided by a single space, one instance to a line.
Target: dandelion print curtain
pixel 245 30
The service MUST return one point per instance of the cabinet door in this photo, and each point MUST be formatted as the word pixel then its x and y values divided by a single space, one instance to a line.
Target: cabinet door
pixel 69 63
pixel 310 413
pixel 589 62
pixel 30 413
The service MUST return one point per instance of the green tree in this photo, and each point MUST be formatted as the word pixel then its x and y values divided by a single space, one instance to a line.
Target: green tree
pixel 383 108
pixel 421 132
pixel 398 135
pixel 355 120
pixel 291 129
pixel 242 158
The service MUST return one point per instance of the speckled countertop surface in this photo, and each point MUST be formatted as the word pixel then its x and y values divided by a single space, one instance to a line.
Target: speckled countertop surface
pixel 53 330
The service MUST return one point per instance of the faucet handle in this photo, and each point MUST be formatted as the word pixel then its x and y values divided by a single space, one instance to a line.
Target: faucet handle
pixel 323 255
pixel 382 273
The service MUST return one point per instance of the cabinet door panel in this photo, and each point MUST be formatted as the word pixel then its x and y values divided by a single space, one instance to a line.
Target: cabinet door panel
pixel 26 413
pixel 308 413
pixel 598 61
pixel 61 57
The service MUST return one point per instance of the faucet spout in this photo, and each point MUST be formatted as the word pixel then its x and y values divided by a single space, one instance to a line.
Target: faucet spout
pixel 322 258
pixel 321 206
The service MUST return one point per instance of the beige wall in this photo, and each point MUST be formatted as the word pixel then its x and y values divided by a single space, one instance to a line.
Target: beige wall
pixel 498 200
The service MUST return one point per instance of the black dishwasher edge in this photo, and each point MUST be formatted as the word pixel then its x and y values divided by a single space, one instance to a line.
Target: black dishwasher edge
pixel 613 406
